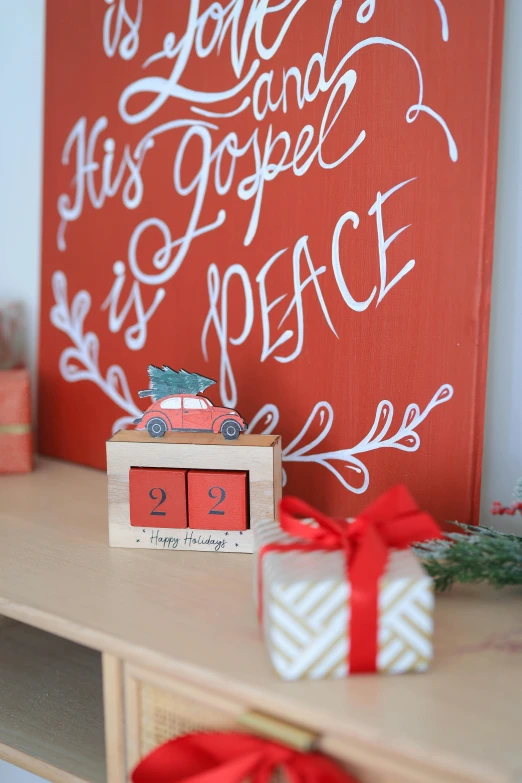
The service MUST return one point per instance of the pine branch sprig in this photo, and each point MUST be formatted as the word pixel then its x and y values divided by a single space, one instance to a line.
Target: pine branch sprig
pixel 481 554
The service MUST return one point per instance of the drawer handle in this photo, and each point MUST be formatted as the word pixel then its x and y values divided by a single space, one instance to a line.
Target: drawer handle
pixel 277 730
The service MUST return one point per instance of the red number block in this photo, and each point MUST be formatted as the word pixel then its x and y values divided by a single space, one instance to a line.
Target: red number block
pixel 158 497
pixel 218 500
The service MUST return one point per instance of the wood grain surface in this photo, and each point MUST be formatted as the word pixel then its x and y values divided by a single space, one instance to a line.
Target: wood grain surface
pixel 192 618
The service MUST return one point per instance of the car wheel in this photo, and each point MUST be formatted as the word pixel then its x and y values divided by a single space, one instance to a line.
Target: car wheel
pixel 230 430
pixel 156 427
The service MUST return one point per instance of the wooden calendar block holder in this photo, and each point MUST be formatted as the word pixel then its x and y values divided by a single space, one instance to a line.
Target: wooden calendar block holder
pixel 259 455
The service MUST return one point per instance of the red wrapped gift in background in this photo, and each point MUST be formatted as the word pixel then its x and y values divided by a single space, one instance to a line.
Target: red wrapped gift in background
pixel 16 443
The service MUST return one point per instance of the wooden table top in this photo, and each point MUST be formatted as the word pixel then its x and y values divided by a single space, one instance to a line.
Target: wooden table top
pixel 192 614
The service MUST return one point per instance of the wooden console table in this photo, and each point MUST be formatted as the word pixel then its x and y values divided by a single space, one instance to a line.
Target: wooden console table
pixel 169 641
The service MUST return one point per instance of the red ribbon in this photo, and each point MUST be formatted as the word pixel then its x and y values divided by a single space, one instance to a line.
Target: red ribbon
pixel 393 521
pixel 231 757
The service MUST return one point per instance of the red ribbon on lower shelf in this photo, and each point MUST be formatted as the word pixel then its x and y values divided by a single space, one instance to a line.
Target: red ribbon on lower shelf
pixel 232 757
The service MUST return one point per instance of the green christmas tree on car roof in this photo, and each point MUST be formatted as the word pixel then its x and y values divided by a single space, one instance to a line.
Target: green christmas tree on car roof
pixel 177 406
pixel 165 381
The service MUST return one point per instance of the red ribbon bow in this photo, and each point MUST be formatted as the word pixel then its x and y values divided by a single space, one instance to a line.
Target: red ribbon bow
pixel 231 757
pixel 393 521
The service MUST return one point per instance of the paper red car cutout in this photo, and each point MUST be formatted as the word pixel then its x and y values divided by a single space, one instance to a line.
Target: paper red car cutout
pixel 190 412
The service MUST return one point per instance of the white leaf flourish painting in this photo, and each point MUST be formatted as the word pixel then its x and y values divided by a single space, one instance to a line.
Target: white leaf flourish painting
pixel 80 362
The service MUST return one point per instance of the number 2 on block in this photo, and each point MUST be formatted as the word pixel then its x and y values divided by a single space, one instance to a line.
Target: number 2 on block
pixel 162 498
pixel 222 496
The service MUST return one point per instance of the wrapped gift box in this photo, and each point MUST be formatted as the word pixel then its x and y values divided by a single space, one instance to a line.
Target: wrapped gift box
pixel 16 447
pixel 12 334
pixel 305 604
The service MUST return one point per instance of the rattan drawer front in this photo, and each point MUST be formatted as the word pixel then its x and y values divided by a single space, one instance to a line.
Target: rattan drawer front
pixel 165 715
pixel 159 708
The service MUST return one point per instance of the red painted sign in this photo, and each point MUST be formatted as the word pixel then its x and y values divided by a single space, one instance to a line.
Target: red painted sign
pixel 294 198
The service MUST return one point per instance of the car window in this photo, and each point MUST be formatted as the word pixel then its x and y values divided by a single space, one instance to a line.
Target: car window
pixel 171 402
pixel 191 403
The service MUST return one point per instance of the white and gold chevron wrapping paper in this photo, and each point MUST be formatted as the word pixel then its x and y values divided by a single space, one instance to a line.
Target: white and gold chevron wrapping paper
pixel 306 611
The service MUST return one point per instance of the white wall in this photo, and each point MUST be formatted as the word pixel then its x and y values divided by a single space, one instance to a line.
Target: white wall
pixel 21 82
pixel 10 774
pixel 503 439
pixel 21 100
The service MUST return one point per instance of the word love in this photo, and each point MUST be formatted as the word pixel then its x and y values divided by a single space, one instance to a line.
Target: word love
pixel 288 345
pixel 205 35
